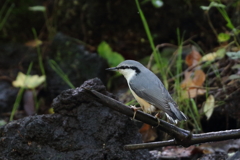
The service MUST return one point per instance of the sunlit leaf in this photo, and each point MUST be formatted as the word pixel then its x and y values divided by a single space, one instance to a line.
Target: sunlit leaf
pixel 157 3
pixel 105 51
pixel 209 57
pixel 209 106
pixel 28 81
pixel 212 56
pixel 223 37
pixel 37 8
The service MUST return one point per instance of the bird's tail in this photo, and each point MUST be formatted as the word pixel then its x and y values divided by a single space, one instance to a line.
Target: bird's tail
pixel 176 115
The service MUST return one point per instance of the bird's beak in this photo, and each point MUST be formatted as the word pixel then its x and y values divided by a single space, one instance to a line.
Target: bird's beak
pixel 112 69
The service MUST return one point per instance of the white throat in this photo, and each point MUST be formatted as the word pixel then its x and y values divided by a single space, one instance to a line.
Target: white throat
pixel 128 73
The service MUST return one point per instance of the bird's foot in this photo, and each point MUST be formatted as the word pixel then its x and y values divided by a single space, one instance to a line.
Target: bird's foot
pixel 135 109
pixel 157 116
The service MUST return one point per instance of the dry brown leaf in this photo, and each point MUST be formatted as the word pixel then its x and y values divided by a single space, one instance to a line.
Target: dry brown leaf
pixel 148 133
pixel 192 93
pixel 191 84
pixel 199 77
pixel 193 58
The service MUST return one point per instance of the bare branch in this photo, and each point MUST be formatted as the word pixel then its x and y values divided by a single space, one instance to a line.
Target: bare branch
pixel 182 137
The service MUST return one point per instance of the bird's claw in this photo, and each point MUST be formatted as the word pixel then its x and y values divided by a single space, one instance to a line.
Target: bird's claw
pixel 156 116
pixel 135 109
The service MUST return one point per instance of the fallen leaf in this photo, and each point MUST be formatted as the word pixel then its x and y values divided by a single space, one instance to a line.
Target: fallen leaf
pixel 148 133
pixel 212 56
pixel 193 58
pixel 199 78
pixel 209 106
pixel 234 76
pixel 193 79
pixel 190 85
pixel 233 55
pixel 209 57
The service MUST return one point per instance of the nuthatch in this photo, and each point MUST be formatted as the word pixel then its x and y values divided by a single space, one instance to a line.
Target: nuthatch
pixel 148 90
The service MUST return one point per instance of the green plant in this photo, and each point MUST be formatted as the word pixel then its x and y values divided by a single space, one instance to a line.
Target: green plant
pixel 49 24
pixel 27 82
pixel 106 52
pixel 40 61
pixel 4 16
pixel 113 58
pixel 222 37
pixel 156 53
pixel 60 72
pixel 19 95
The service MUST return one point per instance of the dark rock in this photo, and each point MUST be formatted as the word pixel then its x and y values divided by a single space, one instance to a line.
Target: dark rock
pixel 77 63
pixel 81 128
pixel 7 96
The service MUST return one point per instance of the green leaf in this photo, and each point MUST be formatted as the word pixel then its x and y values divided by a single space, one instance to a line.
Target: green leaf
pixel 114 59
pixel 221 53
pixel 37 8
pixel 233 55
pixel 157 3
pixel 212 4
pixel 105 51
pixel 223 37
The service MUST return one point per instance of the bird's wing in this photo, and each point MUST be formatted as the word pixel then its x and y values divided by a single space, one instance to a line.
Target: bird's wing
pixel 152 90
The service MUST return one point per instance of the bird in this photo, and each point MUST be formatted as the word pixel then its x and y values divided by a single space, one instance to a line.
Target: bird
pixel 148 90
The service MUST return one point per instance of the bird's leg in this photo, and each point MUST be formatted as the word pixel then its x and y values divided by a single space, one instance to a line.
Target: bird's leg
pixel 135 109
pixel 157 116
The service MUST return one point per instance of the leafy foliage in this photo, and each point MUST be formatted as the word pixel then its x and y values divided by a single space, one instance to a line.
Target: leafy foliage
pixel 105 51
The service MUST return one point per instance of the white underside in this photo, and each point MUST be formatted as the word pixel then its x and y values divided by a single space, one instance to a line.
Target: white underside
pixel 128 74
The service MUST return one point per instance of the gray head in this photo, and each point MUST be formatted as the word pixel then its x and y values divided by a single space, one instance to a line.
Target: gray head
pixel 128 68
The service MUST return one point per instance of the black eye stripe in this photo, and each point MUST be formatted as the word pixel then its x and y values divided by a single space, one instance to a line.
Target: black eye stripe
pixel 130 67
